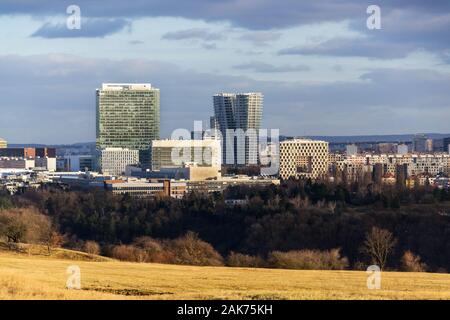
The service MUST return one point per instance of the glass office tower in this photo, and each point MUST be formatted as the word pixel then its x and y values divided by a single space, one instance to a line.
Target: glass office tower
pixel 128 116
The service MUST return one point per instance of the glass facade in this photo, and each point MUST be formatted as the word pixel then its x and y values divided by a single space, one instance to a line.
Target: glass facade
pixel 128 116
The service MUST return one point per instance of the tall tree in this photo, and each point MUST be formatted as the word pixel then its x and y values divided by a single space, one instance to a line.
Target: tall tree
pixel 378 245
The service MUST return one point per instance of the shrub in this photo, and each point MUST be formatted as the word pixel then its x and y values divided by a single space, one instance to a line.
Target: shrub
pixel 129 253
pixel 91 247
pixel 412 263
pixel 244 260
pixel 308 260
pixel 154 250
pixel 191 250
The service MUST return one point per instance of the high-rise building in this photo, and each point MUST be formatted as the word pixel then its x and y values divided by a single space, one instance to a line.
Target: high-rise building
pixel 447 144
pixel 429 145
pixel 303 158
pixel 420 143
pixel 128 116
pixel 114 161
pixel 238 117
pixel 3 143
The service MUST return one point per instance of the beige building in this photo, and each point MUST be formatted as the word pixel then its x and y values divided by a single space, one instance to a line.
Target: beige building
pixel 303 158
pixel 3 143
pixel 179 153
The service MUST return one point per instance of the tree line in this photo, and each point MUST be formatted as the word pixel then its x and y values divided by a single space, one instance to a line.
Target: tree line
pixel 298 224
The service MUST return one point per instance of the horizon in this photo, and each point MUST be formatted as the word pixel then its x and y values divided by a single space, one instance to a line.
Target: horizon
pixel 281 135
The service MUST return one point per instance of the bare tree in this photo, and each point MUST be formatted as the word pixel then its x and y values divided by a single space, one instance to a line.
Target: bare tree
pixel 378 245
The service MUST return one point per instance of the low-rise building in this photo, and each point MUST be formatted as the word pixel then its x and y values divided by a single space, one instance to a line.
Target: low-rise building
pixel 179 153
pixel 17 163
pixel 114 161
pixel 3 143
pixel 76 163
pixel 382 165
pixel 145 188
pixel 219 185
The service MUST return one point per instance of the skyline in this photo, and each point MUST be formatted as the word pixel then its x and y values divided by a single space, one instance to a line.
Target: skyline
pixel 322 72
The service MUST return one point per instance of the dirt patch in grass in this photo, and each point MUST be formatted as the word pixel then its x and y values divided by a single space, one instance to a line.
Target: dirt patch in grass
pixel 129 292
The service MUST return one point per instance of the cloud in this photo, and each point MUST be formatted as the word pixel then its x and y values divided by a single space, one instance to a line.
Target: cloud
pixel 59 90
pixel 408 25
pixel 209 46
pixel 341 47
pixel 261 38
pixel 90 28
pixel 135 42
pixel 250 14
pixel 403 32
pixel 195 33
pixel 261 67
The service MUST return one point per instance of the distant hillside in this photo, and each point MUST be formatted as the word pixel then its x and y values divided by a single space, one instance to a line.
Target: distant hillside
pixel 37 145
pixel 376 138
pixel 332 139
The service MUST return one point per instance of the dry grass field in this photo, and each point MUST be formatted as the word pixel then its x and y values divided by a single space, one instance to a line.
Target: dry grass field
pixel 35 276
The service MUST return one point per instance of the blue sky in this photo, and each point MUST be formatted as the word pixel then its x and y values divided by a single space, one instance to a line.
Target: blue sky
pixel 321 70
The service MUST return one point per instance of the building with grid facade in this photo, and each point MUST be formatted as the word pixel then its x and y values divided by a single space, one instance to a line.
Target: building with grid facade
pixel 128 116
pixel 303 158
pixel 114 161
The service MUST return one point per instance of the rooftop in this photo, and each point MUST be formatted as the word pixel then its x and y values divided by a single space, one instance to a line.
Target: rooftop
pixel 126 86
pixel 303 140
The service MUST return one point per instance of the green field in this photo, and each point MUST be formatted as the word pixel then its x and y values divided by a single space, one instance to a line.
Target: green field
pixel 25 276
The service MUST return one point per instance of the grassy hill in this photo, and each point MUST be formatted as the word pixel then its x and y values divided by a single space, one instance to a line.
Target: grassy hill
pixel 36 276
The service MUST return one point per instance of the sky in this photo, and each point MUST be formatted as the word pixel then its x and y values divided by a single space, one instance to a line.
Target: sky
pixel 321 69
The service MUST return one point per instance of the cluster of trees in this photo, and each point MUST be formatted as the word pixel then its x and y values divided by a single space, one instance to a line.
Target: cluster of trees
pixel 28 225
pixel 296 224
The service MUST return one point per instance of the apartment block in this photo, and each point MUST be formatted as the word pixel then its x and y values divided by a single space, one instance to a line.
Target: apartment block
pixel 303 158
